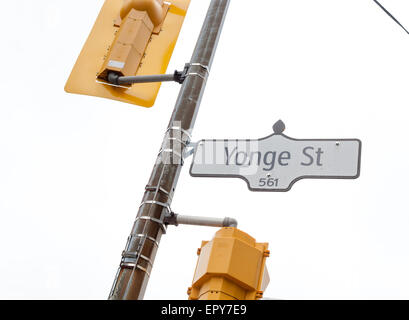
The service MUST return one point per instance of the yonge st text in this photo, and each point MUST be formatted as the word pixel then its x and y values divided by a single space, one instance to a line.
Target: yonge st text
pixel 275 163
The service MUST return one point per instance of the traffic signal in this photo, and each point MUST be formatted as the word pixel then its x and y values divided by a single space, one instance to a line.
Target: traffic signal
pixel 129 38
pixel 232 266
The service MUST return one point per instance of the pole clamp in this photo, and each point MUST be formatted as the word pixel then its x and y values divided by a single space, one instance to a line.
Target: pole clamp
pixel 181 76
pixel 171 219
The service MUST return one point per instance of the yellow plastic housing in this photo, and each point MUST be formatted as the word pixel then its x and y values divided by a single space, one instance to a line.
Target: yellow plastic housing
pixel 129 45
pixel 130 37
pixel 232 266
pixel 154 8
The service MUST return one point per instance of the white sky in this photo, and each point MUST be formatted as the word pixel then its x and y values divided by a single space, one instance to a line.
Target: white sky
pixel 73 168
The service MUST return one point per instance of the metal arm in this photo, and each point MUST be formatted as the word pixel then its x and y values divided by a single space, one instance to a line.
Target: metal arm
pixel 176 219
pixel 177 76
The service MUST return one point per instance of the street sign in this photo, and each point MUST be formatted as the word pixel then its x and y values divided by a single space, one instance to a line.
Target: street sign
pixel 276 162
pixel 132 45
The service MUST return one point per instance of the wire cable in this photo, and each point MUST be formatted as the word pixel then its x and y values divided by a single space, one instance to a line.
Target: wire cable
pixel 391 16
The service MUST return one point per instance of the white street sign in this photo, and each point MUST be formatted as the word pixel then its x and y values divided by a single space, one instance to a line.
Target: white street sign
pixel 276 162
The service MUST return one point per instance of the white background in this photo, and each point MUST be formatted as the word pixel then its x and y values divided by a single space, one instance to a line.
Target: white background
pixel 73 168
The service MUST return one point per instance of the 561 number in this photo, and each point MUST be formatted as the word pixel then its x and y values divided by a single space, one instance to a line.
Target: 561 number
pixel 268 182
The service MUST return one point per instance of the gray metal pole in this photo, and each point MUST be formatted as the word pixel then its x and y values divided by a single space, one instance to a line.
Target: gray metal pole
pixel 140 252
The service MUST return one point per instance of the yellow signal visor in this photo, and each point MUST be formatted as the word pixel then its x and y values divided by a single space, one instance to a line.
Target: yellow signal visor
pixel 106 45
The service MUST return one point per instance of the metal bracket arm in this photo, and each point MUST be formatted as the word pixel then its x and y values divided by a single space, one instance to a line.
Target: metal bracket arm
pixel 177 76
pixel 176 220
pixel 117 80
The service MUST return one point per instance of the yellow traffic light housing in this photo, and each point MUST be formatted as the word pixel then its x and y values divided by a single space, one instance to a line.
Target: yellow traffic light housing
pixel 232 266
pixel 129 38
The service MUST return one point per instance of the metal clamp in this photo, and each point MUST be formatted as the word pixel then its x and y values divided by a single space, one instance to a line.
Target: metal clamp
pixel 165 205
pixel 181 130
pixel 178 140
pixel 197 74
pixel 195 64
pixel 171 219
pixel 128 265
pixel 190 150
pixel 159 189
pixel 161 224
pixel 135 256
pixel 144 236
pixel 171 151
pixel 185 135
pixel 181 76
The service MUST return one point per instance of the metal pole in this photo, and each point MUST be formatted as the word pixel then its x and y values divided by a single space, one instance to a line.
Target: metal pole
pixel 139 255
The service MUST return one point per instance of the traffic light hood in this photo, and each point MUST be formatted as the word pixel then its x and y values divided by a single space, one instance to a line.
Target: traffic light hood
pixel 154 8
